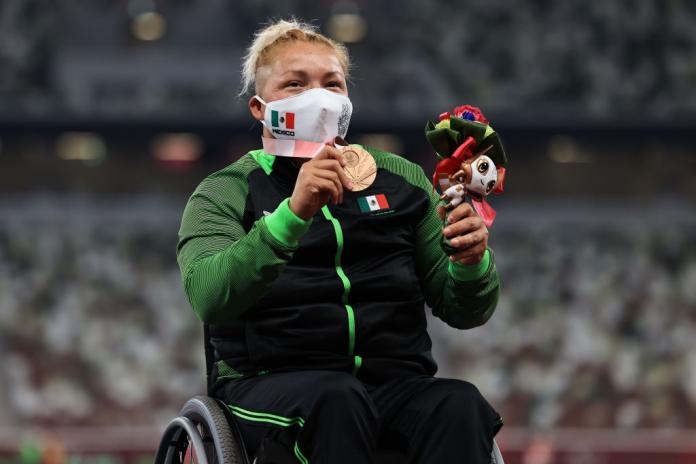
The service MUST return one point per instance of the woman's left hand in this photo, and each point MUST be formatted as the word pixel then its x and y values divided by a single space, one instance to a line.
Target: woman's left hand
pixel 467 233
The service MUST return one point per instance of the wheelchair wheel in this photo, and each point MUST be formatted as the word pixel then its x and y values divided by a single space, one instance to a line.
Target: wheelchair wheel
pixel 201 434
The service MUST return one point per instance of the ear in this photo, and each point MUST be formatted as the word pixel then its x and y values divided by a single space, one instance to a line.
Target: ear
pixel 256 108
pixel 499 187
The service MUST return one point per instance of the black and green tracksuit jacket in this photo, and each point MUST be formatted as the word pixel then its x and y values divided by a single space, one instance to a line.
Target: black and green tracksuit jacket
pixel 343 291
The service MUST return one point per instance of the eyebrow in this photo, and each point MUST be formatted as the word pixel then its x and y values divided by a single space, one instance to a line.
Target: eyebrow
pixel 304 73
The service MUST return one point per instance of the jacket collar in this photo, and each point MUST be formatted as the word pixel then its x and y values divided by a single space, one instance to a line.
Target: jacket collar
pixel 280 168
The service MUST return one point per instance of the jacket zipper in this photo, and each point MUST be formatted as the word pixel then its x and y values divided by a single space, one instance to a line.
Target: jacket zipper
pixel 357 360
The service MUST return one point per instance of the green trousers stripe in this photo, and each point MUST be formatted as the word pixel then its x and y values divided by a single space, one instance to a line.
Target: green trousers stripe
pixel 280 421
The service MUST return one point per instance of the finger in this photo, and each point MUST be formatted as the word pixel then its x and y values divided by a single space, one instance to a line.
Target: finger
pixel 472 258
pixel 329 152
pixel 336 154
pixel 333 177
pixel 335 166
pixel 327 186
pixel 460 212
pixel 463 226
pixel 463 242
pixel 470 253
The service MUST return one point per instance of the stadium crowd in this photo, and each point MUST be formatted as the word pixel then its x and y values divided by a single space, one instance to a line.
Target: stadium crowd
pixel 594 328
pixel 572 58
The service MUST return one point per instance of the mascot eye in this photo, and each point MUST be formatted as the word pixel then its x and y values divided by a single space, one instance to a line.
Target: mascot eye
pixel 482 167
pixel 490 186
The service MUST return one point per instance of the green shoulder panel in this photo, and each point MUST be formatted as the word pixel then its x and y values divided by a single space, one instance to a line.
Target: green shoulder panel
pixel 226 269
pixel 221 194
pixel 228 187
pixel 410 171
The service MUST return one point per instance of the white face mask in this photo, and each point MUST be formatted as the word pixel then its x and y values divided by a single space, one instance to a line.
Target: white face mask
pixel 313 117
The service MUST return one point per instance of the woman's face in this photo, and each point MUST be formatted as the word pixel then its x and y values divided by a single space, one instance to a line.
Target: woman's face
pixel 293 68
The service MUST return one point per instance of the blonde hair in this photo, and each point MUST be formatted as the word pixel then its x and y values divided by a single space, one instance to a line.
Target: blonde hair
pixel 279 32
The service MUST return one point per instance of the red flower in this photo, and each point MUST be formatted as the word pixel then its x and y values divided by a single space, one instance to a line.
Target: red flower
pixel 472 113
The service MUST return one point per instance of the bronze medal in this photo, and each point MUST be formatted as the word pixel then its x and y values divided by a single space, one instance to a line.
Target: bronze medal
pixel 360 167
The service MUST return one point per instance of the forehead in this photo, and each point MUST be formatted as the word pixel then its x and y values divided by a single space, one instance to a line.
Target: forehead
pixel 308 57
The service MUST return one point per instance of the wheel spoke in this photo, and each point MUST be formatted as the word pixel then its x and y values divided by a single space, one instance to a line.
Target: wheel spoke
pixel 192 459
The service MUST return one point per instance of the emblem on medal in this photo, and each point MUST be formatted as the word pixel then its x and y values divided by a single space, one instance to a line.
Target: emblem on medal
pixel 360 166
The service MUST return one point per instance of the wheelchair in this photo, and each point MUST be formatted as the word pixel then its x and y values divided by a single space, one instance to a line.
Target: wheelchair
pixel 206 432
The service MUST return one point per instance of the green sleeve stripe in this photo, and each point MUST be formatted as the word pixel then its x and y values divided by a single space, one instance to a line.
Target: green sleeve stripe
pixel 465 272
pixel 285 225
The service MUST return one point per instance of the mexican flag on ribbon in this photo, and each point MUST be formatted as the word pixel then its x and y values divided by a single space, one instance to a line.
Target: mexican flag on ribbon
pixel 283 120
pixel 373 203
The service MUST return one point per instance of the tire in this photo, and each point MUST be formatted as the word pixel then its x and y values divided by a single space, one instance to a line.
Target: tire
pixel 220 443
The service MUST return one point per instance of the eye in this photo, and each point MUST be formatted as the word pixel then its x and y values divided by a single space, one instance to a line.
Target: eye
pixel 490 186
pixel 335 86
pixel 293 84
pixel 482 166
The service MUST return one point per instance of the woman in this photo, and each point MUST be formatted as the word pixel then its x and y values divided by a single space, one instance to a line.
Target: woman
pixel 316 301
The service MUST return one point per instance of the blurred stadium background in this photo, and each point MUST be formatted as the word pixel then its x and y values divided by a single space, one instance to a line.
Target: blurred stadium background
pixel 112 111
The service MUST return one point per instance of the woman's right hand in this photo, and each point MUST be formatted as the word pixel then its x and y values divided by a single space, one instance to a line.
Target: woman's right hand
pixel 319 179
